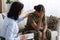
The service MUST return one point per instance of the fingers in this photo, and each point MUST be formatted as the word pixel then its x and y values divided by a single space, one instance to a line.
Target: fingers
pixel 26 36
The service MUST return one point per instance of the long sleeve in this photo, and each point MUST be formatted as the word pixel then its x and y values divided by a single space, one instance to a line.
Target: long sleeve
pixel 20 19
pixel 10 33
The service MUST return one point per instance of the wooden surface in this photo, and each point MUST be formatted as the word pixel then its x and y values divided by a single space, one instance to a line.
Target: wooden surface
pixel 0 6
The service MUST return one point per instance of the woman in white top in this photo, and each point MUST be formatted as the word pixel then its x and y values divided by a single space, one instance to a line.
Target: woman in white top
pixel 10 27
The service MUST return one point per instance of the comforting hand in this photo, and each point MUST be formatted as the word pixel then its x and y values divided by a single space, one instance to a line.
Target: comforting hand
pixel 26 15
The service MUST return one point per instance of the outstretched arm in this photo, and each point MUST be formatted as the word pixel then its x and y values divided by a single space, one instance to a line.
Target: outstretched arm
pixel 22 18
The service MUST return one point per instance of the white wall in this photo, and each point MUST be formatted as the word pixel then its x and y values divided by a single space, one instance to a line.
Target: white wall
pixel 7 6
pixel 52 6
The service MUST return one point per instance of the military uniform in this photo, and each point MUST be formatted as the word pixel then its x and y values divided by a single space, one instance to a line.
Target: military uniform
pixel 29 28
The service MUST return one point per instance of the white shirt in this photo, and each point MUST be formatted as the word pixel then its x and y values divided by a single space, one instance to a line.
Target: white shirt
pixel 10 29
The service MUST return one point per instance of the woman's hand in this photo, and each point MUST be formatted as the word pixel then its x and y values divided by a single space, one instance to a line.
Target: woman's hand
pixel 44 36
pixel 26 15
pixel 41 14
pixel 24 37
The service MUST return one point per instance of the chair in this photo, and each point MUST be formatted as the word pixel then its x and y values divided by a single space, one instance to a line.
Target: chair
pixel 1 23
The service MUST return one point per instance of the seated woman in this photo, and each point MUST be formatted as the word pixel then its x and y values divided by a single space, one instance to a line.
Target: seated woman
pixel 10 27
pixel 35 21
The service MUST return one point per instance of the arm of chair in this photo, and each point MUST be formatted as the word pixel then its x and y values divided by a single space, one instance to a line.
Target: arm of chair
pixel 52 34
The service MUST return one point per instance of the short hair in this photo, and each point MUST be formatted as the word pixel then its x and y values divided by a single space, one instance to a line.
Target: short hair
pixel 14 10
pixel 39 8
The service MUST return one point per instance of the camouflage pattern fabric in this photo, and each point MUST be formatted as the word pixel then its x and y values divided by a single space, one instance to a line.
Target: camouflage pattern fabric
pixel 29 29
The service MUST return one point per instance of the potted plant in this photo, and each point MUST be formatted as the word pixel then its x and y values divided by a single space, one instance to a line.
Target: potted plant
pixel 52 23
pixel 8 1
pixel 8 4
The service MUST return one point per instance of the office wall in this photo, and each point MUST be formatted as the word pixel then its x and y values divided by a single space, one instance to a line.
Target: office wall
pixel 7 6
pixel 52 6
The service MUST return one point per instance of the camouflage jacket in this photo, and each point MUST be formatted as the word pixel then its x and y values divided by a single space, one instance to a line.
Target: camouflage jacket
pixel 30 19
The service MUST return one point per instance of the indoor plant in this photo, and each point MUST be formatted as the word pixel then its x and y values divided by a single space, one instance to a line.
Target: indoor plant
pixel 52 22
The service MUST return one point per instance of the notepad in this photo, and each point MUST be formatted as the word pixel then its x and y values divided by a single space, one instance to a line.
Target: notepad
pixel 30 35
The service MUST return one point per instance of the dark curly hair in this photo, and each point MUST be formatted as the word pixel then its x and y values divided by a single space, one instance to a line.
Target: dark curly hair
pixel 39 8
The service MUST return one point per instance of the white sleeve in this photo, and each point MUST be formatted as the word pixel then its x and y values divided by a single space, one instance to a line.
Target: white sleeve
pixel 10 33
pixel 20 19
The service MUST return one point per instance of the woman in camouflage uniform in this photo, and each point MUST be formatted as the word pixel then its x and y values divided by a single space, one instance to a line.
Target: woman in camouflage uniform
pixel 35 21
